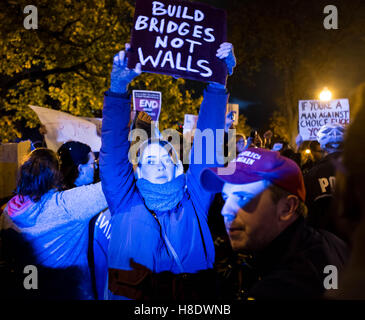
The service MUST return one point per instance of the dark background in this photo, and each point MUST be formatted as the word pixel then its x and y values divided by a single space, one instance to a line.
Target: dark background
pixel 340 52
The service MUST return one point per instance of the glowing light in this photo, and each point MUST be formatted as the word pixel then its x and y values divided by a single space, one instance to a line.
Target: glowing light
pixel 307 151
pixel 325 95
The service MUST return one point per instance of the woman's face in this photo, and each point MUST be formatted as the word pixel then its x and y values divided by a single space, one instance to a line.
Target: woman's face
pixel 156 164
pixel 86 171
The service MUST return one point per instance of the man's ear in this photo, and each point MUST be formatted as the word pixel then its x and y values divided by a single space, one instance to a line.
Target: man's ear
pixel 287 207
pixel 179 169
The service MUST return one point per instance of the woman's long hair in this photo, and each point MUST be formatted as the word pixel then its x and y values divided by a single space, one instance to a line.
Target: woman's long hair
pixel 38 174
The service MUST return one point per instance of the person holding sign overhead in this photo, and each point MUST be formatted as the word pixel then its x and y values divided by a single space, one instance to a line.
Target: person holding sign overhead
pixel 160 246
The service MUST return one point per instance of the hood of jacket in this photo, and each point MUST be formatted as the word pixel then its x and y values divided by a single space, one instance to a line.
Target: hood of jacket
pixel 23 211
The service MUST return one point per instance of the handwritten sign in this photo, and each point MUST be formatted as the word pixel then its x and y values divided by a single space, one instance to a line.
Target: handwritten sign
pixel 97 121
pixel 178 38
pixel 313 114
pixel 62 127
pixel 147 101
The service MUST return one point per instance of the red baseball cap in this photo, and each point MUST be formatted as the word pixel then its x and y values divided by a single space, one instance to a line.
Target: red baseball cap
pixel 255 164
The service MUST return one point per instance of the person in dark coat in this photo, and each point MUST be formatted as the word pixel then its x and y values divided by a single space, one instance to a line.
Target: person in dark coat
pixel 281 256
pixel 350 213
pixel 320 180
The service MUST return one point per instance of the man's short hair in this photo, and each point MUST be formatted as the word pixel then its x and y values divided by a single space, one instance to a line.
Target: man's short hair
pixel 278 193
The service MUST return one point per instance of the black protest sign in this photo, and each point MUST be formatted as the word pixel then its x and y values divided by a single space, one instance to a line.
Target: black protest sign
pixel 313 114
pixel 178 38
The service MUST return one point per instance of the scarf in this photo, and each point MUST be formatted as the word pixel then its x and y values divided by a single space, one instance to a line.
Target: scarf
pixel 162 197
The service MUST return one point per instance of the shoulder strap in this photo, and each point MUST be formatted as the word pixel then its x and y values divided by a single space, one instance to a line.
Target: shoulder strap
pixel 167 242
pixel 200 228
pixel 169 245
pixel 174 254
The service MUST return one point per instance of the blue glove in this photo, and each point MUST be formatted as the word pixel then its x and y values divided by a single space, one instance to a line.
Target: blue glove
pixel 225 51
pixel 121 75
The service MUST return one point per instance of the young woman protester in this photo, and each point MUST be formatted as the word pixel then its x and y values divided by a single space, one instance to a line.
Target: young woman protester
pixel 160 246
pixel 49 228
pixel 79 167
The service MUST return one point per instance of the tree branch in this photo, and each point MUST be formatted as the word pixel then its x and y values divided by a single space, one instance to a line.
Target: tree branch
pixel 5 85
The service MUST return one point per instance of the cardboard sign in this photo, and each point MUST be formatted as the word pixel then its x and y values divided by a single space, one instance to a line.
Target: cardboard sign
pixel 190 122
pixel 178 38
pixel 62 127
pixel 97 121
pixel 147 101
pixel 11 157
pixel 236 112
pixel 313 114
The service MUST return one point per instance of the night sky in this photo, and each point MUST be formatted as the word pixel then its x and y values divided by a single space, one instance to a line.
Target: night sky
pixel 343 75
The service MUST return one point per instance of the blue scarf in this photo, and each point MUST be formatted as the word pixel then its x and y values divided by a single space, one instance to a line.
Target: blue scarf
pixel 162 197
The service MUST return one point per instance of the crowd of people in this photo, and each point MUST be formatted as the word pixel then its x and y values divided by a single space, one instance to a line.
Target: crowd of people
pixel 263 225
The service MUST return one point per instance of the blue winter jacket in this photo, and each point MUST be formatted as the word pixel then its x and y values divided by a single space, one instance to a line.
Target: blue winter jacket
pixel 135 232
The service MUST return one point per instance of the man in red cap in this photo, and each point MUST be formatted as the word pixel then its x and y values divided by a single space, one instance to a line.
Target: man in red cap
pixel 264 214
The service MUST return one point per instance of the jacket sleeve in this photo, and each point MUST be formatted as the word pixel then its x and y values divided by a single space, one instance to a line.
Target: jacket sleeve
pixel 207 149
pixel 116 171
pixel 83 202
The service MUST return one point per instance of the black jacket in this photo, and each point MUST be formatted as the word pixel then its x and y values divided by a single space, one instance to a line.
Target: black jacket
pixel 324 169
pixel 292 266
pixel 320 184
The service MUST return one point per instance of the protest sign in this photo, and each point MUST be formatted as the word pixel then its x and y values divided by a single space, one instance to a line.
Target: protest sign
pixel 147 101
pixel 62 127
pixel 178 38
pixel 234 107
pixel 11 157
pixel 97 121
pixel 313 114
pixel 190 122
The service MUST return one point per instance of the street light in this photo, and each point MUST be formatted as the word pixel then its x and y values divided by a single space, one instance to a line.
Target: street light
pixel 325 95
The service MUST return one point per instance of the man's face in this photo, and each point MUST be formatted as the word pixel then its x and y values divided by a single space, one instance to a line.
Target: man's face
pixel 317 153
pixel 250 215
pixel 156 164
pixel 240 145
pixel 230 117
